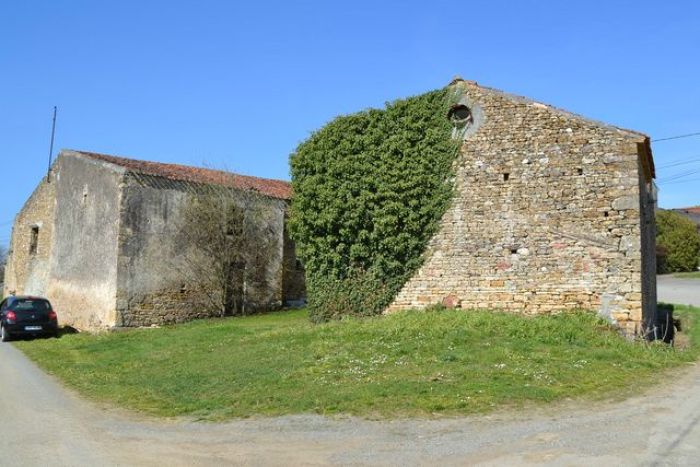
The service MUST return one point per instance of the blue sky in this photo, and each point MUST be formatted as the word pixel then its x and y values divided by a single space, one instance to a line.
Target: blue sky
pixel 238 85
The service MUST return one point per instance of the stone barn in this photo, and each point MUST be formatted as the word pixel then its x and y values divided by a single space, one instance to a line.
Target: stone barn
pixel 551 211
pixel 100 238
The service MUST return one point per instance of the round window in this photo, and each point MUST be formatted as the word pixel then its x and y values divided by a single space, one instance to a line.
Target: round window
pixel 460 114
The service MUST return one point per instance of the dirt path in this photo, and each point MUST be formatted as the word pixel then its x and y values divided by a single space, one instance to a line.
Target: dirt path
pixel 43 424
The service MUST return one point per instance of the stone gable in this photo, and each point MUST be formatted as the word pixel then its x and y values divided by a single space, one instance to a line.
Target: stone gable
pixel 551 212
pixel 26 271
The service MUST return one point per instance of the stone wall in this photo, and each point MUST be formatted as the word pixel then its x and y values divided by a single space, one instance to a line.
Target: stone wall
pixel 83 266
pixel 294 281
pixel 647 206
pixel 27 272
pixel 108 251
pixel 545 217
pixel 160 275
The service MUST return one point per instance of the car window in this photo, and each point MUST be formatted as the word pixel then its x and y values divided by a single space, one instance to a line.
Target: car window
pixel 31 305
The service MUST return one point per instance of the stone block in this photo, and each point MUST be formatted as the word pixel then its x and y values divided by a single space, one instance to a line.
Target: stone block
pixel 625 202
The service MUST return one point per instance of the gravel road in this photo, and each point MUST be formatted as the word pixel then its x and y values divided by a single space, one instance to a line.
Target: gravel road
pixel 41 423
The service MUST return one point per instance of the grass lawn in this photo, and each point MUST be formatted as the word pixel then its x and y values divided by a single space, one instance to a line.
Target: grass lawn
pixel 687 275
pixel 406 364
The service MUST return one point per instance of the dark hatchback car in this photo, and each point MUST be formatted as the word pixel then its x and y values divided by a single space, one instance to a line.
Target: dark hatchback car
pixel 27 316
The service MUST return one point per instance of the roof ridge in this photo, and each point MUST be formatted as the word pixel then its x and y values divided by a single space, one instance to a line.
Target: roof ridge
pixel 564 112
pixel 273 188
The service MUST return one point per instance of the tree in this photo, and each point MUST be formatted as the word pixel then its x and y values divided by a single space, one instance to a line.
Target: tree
pixel 226 235
pixel 678 242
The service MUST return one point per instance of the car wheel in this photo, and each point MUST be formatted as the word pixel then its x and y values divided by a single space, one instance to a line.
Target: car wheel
pixel 4 335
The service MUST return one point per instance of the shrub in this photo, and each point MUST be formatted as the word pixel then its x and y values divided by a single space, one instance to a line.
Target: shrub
pixel 359 293
pixel 369 191
pixel 677 237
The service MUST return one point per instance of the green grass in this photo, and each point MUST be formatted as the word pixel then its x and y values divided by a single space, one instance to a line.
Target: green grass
pixel 406 364
pixel 687 275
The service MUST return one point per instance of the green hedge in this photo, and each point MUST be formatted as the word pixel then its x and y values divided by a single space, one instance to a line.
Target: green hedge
pixel 677 241
pixel 369 191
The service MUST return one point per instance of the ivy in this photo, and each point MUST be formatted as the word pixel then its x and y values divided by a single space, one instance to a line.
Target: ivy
pixel 369 191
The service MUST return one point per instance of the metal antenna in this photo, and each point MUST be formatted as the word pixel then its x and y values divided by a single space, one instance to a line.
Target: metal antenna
pixel 53 132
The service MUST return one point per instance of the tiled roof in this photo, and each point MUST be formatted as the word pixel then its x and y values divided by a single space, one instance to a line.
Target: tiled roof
pixel 273 188
pixel 691 210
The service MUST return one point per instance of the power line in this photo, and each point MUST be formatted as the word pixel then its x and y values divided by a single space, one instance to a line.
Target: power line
pixel 679 175
pixel 53 133
pixel 675 137
pixel 677 163
pixel 674 182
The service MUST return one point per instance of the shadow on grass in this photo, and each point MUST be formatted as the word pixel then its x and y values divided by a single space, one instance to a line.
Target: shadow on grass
pixel 63 330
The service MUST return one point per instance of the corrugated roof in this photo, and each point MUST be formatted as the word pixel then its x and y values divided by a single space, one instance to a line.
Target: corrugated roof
pixel 273 188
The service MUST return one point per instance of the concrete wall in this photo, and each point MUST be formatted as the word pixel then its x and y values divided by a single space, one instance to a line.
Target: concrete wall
pixel 83 266
pixel 160 278
pixel 561 230
pixel 27 272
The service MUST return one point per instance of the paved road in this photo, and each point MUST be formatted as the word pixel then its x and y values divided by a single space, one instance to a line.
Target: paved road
pixel 674 290
pixel 43 424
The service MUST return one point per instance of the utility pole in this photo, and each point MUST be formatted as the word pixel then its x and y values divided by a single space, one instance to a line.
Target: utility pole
pixel 53 133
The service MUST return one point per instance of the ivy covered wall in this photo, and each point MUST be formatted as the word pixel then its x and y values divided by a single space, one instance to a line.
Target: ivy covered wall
pixel 369 191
